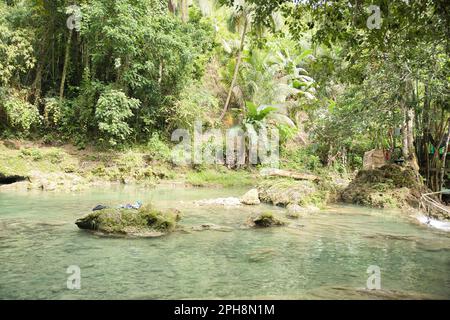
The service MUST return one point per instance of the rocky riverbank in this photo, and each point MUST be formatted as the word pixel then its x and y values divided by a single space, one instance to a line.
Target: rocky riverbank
pixel 31 166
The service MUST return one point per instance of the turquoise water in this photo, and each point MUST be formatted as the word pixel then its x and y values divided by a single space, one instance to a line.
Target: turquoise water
pixel 325 255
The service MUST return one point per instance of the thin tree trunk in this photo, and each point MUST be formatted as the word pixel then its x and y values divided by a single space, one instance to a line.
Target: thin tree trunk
pixel 410 140
pixel 161 68
pixel 330 157
pixel 444 158
pixel 236 71
pixel 184 11
pixel 66 64
pixel 405 149
pixel 37 84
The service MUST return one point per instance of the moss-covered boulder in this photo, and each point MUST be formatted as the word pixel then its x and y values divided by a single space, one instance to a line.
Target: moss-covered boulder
pixel 265 220
pixel 391 186
pixel 144 222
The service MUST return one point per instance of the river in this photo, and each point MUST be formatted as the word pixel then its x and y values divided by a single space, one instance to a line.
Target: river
pixel 324 255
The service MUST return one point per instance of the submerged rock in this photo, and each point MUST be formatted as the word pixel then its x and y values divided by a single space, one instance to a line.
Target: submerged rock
pixel 262 254
pixel 210 226
pixel 251 197
pixel 296 211
pixel 219 202
pixel 265 220
pixel 144 222
pixel 339 292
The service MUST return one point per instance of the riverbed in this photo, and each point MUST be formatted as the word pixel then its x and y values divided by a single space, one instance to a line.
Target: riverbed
pixel 321 256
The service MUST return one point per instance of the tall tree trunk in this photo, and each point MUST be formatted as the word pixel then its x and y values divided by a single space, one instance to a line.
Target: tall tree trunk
pixel 426 133
pixel 66 64
pixel 444 157
pixel 171 5
pixel 42 62
pixel 441 136
pixel 184 10
pixel 236 70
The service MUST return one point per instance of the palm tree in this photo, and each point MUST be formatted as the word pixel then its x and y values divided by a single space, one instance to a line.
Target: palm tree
pixel 273 84
pixel 241 17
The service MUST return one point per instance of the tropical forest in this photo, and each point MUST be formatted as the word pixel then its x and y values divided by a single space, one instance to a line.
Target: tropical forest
pixel 224 149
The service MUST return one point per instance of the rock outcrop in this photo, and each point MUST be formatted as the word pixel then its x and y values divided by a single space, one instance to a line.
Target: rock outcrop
pixel 391 186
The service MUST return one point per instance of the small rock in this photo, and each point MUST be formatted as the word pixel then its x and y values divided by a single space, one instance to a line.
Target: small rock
pixel 127 180
pixel 48 186
pixel 76 188
pixel 265 220
pixel 251 197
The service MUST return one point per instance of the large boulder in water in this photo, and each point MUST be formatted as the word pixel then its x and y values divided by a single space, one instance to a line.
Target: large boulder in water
pixel 391 186
pixel 146 221
pixel 286 191
pixel 251 197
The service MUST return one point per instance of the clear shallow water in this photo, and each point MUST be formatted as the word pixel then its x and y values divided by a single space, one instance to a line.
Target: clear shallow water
pixel 325 258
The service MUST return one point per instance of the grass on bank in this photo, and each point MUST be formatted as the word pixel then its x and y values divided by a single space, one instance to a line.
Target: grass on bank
pixel 224 178
pixel 26 159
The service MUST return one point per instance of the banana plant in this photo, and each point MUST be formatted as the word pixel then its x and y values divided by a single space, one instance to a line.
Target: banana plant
pixel 275 77
pixel 258 116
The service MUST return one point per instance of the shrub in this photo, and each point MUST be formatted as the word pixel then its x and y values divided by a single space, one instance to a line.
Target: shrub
pixel 113 109
pixel 20 114
pixel 157 149
pixel 52 111
pixel 31 153
pixel 195 103
pixel 301 159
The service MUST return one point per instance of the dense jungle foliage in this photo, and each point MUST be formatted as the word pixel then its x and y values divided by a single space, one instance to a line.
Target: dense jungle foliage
pixel 116 73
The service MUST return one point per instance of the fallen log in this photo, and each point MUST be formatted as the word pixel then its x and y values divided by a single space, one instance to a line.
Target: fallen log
pixel 288 174
pixel 432 206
